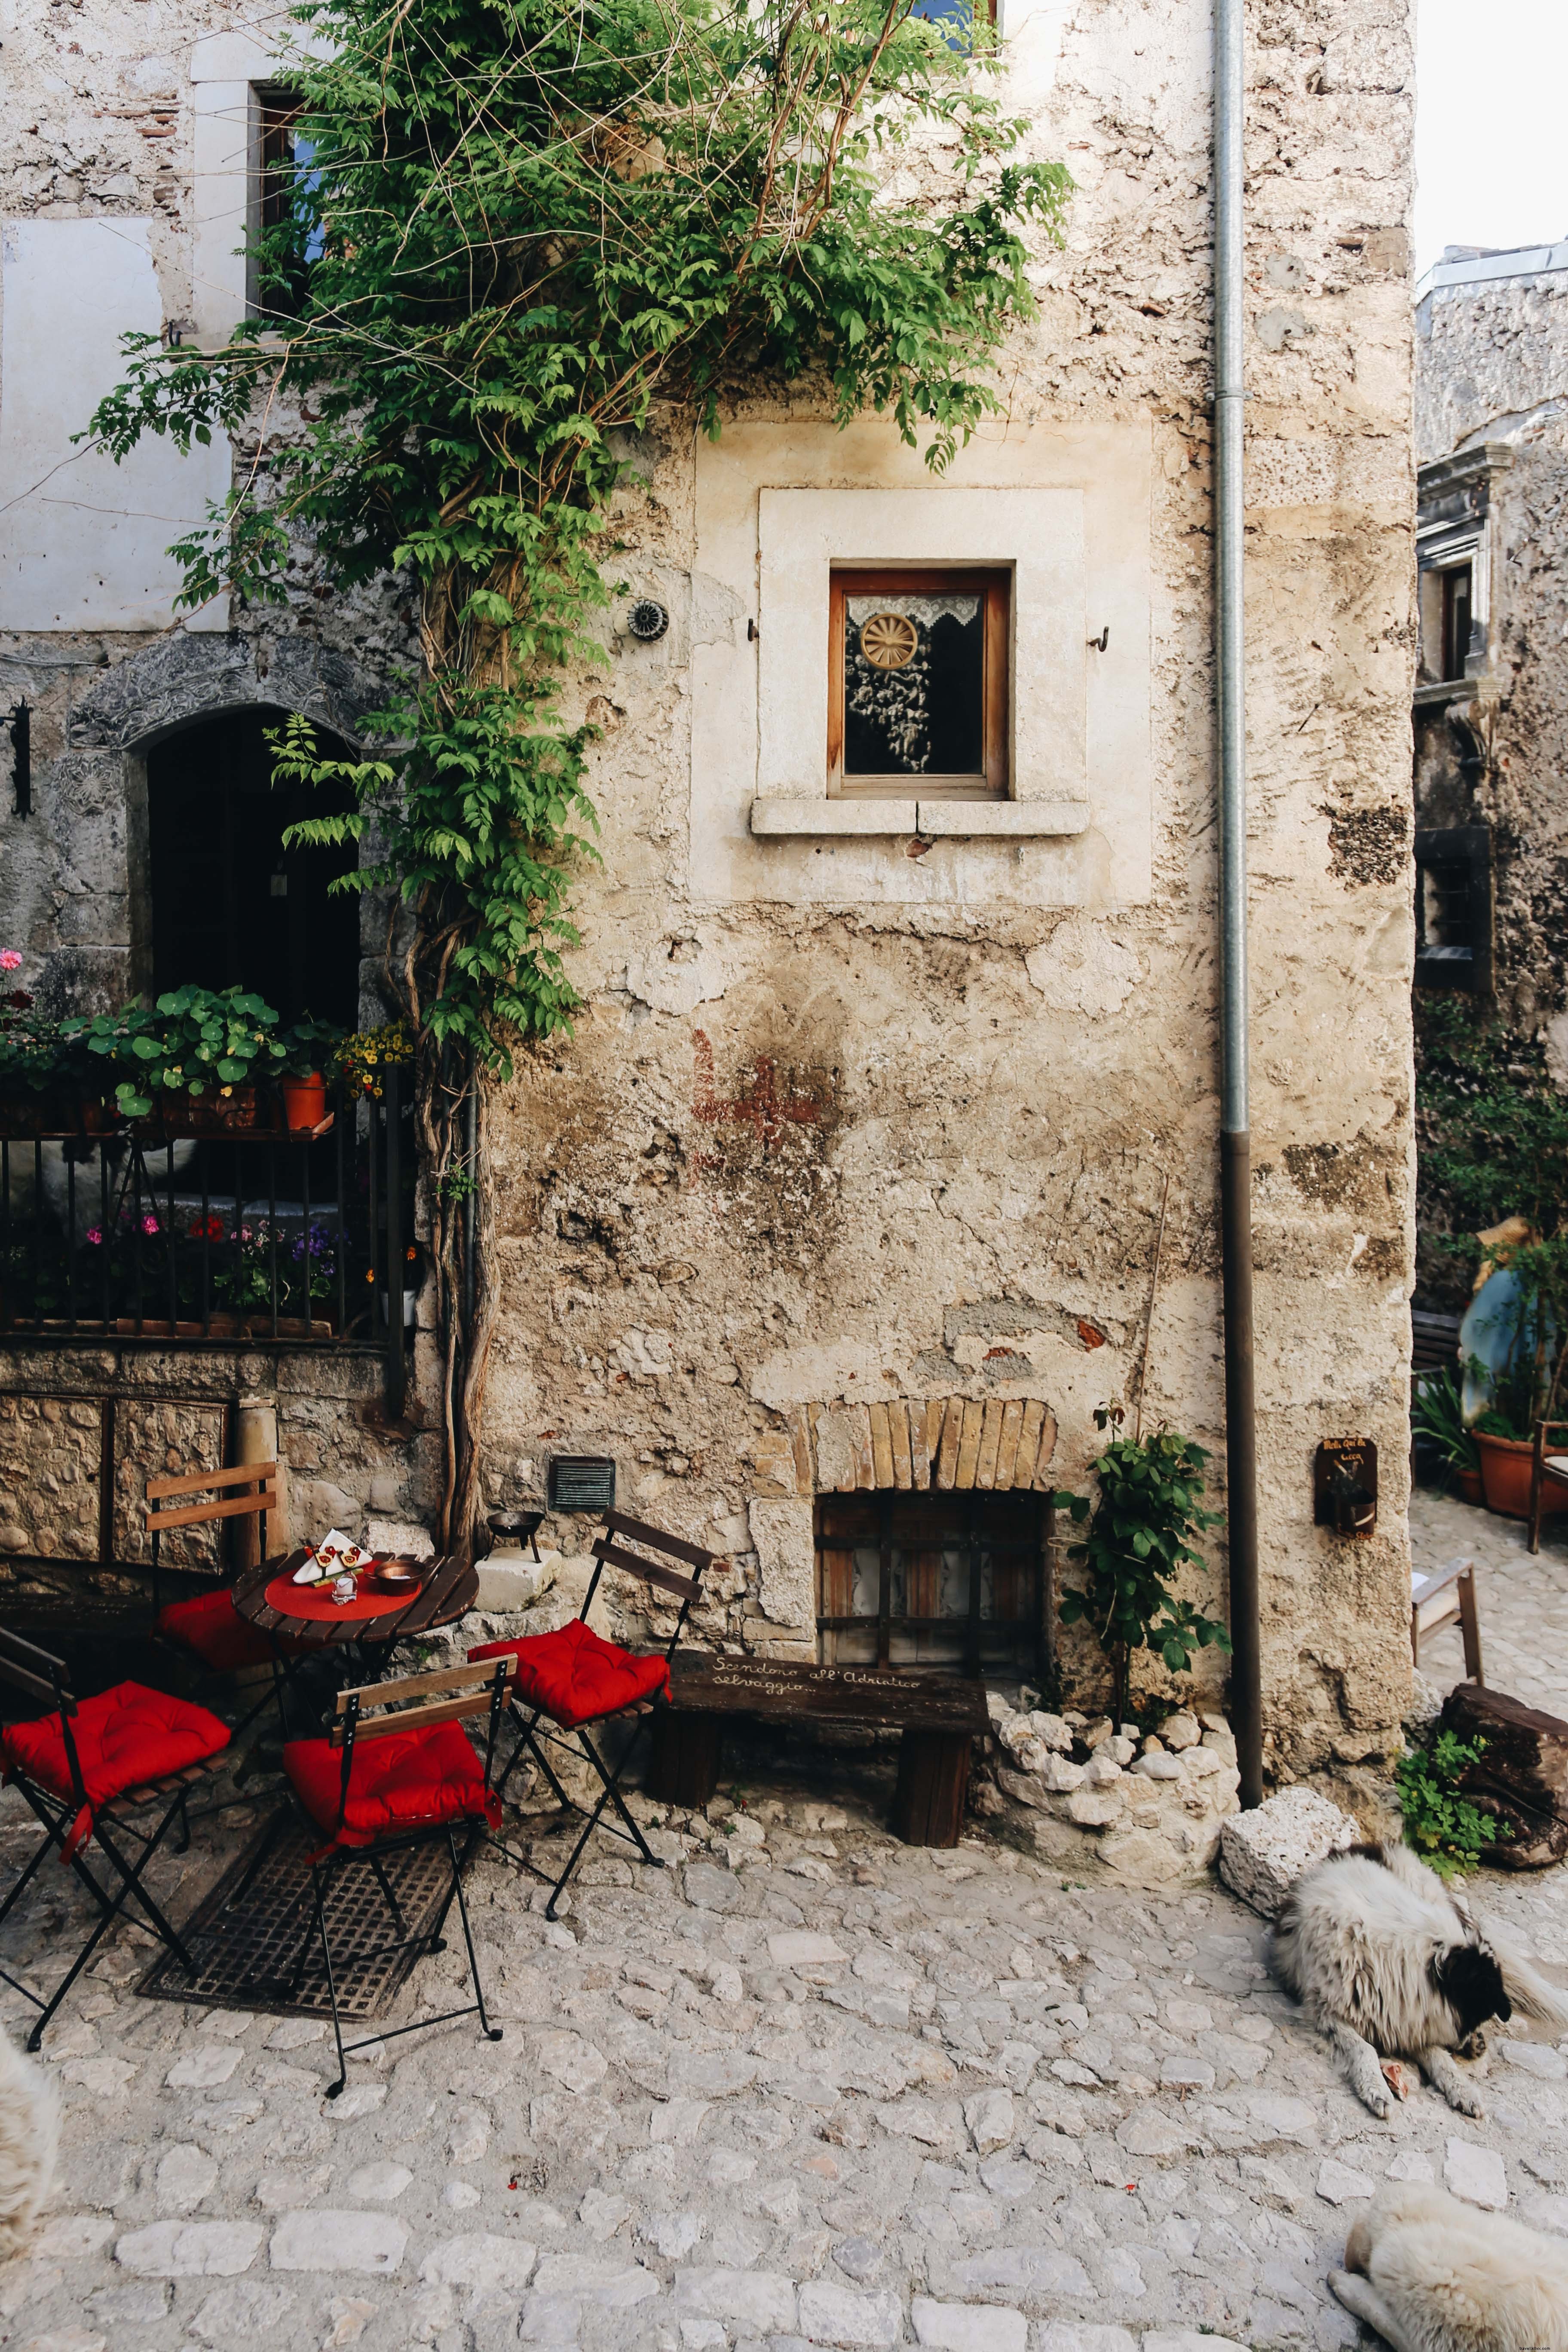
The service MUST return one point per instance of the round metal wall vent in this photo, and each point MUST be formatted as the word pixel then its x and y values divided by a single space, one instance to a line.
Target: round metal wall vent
pixel 647 621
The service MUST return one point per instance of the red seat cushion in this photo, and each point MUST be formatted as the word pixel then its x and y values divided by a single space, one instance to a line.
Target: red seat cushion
pixel 214 1629
pixel 575 1675
pixel 404 1779
pixel 125 1738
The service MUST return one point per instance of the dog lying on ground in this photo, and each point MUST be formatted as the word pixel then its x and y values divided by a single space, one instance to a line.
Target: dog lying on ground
pixel 1390 1964
pixel 1432 2275
pixel 29 2130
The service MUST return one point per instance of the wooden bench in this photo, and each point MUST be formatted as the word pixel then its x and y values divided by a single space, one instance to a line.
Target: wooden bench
pixel 938 1714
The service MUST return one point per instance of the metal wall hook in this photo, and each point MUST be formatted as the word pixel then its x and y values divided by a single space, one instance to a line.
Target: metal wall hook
pixel 1103 639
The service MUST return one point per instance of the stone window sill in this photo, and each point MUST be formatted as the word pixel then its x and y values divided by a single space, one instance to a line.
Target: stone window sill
pixel 777 818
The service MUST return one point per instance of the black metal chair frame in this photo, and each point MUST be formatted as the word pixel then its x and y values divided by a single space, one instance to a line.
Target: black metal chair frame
pixel 450 1694
pixel 263 1476
pixel 532 1740
pixel 43 1675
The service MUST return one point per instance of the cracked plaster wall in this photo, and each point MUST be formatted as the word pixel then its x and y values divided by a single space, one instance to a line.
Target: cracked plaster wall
pixel 832 1153
pixel 1492 369
pixel 826 1154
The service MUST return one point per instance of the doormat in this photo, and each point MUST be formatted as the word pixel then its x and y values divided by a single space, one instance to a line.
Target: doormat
pixel 245 1957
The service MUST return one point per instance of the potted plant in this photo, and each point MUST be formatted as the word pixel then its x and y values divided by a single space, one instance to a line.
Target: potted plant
pixel 1513 1369
pixel 361 1060
pixel 42 1080
pixel 309 1051
pixel 1137 1545
pixel 194 1063
pixel 1436 1422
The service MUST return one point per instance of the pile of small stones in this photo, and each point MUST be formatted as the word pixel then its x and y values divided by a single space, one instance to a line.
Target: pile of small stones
pixel 1147 1806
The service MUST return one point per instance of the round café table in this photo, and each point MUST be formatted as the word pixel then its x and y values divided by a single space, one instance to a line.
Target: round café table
pixel 302 1621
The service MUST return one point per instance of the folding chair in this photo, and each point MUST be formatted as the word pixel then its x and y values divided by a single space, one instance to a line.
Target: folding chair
pixel 383 1783
pixel 89 1771
pixel 1446 1597
pixel 209 1625
pixel 1548 1475
pixel 577 1679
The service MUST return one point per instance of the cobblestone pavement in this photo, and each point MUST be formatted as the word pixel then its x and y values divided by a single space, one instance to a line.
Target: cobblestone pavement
pixel 1522 1602
pixel 804 2085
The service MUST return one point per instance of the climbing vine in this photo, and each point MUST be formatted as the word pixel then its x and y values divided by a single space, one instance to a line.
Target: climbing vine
pixel 516 229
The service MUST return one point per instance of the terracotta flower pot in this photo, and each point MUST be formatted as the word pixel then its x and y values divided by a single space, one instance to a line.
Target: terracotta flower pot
pixel 247 1110
pixel 1467 1486
pixel 304 1101
pixel 1505 1478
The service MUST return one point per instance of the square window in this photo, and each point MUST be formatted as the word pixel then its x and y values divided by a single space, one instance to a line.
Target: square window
pixel 932 1580
pixel 918 683
pixel 1453 908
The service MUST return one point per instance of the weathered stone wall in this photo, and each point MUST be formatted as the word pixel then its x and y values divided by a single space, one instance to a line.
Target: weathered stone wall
pixel 1491 370
pixel 902 1124
pixel 806 1154
pixel 174 1411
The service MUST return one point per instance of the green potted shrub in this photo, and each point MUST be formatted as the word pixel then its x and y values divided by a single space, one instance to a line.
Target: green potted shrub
pixel 309 1050
pixel 1137 1544
pixel 194 1064
pixel 1436 1420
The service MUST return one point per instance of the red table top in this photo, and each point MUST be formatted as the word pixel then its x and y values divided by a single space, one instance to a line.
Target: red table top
pixel 291 1600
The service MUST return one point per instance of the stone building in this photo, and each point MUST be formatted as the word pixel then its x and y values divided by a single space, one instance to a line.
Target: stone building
pixel 886 1148
pixel 1491 696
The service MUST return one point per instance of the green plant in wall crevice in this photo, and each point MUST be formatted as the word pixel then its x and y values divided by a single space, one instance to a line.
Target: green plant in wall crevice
pixel 526 229
pixel 1137 1544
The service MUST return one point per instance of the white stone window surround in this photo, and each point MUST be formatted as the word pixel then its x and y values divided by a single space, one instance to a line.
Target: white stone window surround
pixel 966 851
pixel 1449 547
pixel 226 71
pixel 804 536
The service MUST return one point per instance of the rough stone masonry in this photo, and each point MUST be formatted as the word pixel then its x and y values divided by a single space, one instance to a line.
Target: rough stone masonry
pixel 855 1121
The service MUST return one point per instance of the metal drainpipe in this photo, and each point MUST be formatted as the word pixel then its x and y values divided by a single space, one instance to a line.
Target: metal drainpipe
pixel 1230 654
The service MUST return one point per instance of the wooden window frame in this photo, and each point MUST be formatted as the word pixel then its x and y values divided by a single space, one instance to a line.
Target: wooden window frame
pixel 1015 1529
pixel 1457 579
pixel 996 588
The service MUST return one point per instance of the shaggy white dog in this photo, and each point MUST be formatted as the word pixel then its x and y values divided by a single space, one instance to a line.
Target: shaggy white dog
pixel 1390 1964
pixel 1432 2275
pixel 29 2130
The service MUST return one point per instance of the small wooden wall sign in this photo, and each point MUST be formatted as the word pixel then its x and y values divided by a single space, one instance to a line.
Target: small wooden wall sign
pixel 1345 1486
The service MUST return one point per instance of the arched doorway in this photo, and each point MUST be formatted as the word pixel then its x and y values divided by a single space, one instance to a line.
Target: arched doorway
pixel 230 906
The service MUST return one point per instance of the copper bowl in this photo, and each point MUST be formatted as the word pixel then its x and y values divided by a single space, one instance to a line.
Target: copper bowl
pixel 399 1575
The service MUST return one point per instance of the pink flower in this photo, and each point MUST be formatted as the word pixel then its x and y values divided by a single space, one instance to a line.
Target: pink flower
pixel 149 1223
pixel 9 960
pixel 95 1235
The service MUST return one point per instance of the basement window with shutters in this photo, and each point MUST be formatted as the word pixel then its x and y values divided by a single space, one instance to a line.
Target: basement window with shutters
pixel 1453 908
pixel 932 1580
pixel 918 683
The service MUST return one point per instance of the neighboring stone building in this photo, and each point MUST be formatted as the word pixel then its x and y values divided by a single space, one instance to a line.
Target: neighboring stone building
pixel 1491 699
pixel 841 1213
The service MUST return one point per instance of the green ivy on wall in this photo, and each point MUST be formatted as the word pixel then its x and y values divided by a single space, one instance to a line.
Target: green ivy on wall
pixel 525 226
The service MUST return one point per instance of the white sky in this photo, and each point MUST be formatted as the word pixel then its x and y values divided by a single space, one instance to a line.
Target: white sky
pixel 1491 152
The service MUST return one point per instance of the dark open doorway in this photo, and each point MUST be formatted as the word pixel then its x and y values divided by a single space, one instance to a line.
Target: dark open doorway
pixel 231 906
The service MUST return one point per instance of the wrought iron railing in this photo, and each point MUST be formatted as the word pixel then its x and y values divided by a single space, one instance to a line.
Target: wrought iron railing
pixel 217 1239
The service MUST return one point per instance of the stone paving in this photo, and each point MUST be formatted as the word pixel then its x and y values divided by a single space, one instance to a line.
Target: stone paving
pixel 1522 1602
pixel 803 2086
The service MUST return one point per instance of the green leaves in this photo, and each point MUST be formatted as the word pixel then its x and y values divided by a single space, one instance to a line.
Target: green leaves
pixel 1446 1829
pixel 525 225
pixel 196 1041
pixel 1137 1545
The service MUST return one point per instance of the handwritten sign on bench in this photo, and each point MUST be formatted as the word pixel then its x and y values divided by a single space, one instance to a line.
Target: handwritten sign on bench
pixel 781 1691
